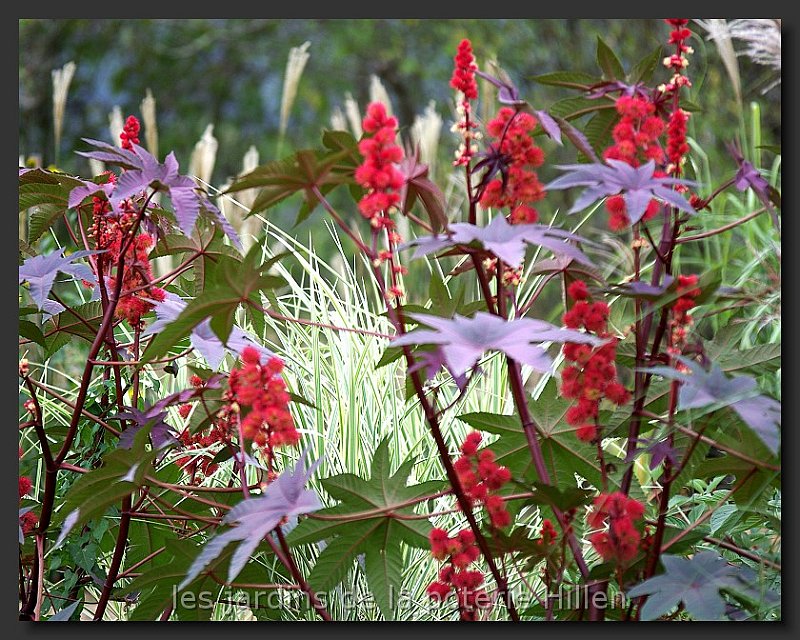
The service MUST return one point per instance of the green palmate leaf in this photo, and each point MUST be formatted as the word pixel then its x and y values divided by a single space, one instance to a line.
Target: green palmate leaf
pixel 41 219
pixel 390 354
pixel 571 108
pixel 563 453
pixel 569 79
pixel 122 471
pixel 33 333
pixel 690 106
pixel 757 479
pixel 66 613
pixel 377 536
pixel 299 173
pixel 643 70
pixel 725 350
pixel 608 61
pixel 563 499
pixel 68 324
pixel 38 193
pixel 234 284
pixel 157 587
pixel 342 141
pixel 598 129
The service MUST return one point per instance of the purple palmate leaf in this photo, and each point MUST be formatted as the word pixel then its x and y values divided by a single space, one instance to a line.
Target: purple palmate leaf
pixel 638 185
pixel 611 86
pixel 696 582
pixel 79 194
pixel 748 177
pixel 203 337
pixel 464 340
pixel 642 289
pixel 507 93
pixel 256 517
pixel 143 172
pixel 162 434
pixel 40 272
pixel 431 362
pixel 507 241
pixel 549 125
pixel 659 450
pixel 703 388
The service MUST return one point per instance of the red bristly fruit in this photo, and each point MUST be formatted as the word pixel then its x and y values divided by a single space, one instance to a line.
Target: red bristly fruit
pixel 458 552
pixel 480 477
pixel 620 541
pixel 593 374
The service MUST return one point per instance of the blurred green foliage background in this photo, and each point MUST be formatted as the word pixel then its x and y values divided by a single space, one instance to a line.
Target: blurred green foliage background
pixel 230 73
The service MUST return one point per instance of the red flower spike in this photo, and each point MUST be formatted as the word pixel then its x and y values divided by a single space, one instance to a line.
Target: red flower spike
pixel 378 173
pixel 463 79
pixel 130 133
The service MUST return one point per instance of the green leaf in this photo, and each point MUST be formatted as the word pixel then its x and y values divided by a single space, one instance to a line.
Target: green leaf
pixel 643 70
pixel 378 536
pixel 691 106
pixel 725 351
pixel 563 499
pixel 299 173
pixel 563 453
pixel 598 129
pixel 35 194
pixel 234 284
pixel 30 331
pixel 42 218
pixel 383 566
pixel 571 108
pixel 390 354
pixel 94 492
pixel 569 79
pixel 608 61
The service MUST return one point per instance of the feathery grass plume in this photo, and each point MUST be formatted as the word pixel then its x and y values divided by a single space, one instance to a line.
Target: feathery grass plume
pixel 235 209
pixel 378 93
pixel 96 166
pixel 204 155
pixel 719 31
pixel 762 38
pixel 61 80
pixel 116 124
pixel 148 109
pixel 251 226
pixel 353 115
pixel 425 133
pixel 249 163
pixel 487 95
pixel 338 119
pixel 298 57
